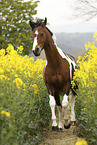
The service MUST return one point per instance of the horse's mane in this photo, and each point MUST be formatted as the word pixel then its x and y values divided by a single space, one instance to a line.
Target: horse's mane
pixel 39 22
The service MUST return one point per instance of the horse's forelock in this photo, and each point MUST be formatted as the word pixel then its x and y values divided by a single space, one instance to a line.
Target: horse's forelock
pixel 39 23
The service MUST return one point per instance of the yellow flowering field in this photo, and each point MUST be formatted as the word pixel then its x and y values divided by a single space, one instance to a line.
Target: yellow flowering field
pixel 86 101
pixel 24 109
pixel 81 142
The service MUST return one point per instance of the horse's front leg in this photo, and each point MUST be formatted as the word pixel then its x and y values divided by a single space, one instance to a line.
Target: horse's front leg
pixel 65 110
pixel 52 105
pixel 59 107
pixel 72 104
pixel 60 126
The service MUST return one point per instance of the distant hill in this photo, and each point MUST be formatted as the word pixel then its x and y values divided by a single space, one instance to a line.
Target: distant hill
pixel 72 43
pixel 84 27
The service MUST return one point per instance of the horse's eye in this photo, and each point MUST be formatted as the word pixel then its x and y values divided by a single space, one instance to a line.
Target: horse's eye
pixel 42 34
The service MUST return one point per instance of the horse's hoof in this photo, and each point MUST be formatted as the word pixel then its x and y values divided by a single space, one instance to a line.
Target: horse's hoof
pixel 60 129
pixel 54 128
pixel 68 126
pixel 73 123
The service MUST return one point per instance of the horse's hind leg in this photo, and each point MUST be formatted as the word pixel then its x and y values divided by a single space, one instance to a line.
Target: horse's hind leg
pixel 52 105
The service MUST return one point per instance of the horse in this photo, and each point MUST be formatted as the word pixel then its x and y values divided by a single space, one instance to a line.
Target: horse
pixel 57 74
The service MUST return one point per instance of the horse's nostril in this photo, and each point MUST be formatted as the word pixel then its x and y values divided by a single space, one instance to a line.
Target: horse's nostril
pixel 33 51
pixel 37 49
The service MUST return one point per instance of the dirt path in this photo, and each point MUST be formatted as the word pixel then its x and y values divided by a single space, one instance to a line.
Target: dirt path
pixel 66 137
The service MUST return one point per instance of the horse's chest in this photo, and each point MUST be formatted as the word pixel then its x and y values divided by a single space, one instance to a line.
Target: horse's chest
pixel 56 77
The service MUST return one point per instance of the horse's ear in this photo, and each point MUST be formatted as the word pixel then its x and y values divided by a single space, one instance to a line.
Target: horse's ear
pixel 44 22
pixel 32 24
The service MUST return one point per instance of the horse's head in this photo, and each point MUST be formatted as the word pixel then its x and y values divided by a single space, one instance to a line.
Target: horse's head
pixel 38 35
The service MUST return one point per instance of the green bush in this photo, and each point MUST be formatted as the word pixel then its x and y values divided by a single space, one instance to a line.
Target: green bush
pixel 86 101
pixel 24 107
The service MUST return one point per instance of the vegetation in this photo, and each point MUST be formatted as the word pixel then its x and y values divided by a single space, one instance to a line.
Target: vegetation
pixel 14 27
pixel 81 142
pixel 86 102
pixel 24 106
pixel 85 9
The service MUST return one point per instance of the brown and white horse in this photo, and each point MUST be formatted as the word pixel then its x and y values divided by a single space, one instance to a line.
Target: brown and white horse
pixel 58 72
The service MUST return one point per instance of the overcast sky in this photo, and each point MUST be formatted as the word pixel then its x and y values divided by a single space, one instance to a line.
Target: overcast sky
pixel 58 12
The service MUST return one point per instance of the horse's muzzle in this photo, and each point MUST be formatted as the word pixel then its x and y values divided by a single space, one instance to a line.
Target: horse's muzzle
pixel 36 51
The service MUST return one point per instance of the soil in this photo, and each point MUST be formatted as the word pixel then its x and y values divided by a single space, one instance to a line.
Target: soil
pixel 65 137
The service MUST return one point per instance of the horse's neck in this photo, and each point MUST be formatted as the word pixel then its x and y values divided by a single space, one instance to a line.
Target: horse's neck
pixel 52 55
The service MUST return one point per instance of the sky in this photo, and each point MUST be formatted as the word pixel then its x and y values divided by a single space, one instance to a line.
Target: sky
pixel 59 15
pixel 58 12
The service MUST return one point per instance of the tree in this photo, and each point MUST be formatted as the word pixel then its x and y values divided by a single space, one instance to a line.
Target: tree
pixel 14 27
pixel 85 9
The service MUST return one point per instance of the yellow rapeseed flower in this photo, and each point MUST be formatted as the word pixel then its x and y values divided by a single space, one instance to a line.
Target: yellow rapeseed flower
pixel 31 59
pixel 2 52
pixel 5 113
pixel 35 88
pixel 95 36
pixel 3 77
pixel 16 75
pixel 19 83
pixel 20 49
pixel 21 68
pixel 81 142
pixel 10 48
pixel 1 70
pixel 89 45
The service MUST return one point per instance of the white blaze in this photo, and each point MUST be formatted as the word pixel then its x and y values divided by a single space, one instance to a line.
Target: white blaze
pixel 35 40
